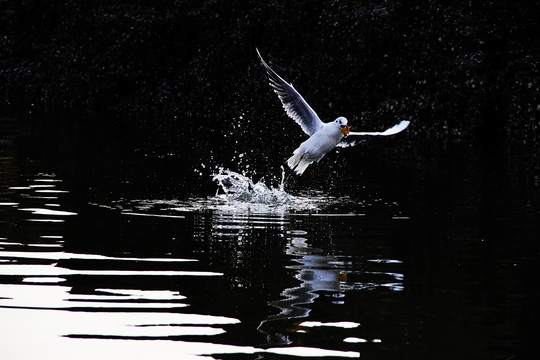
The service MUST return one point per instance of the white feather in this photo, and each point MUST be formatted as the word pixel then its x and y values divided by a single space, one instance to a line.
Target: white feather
pixel 391 131
pixel 294 104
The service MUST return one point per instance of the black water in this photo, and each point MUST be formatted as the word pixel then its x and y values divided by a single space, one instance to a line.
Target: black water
pixel 126 253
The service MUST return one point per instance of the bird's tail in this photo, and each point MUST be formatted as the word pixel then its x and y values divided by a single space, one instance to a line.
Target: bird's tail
pixel 298 163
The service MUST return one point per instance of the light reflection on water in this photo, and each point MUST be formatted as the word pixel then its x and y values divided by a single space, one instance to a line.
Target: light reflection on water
pixel 40 297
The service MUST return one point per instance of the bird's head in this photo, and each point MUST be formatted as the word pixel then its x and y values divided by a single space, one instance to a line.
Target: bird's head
pixel 342 125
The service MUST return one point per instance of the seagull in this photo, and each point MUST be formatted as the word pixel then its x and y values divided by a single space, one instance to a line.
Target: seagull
pixel 323 137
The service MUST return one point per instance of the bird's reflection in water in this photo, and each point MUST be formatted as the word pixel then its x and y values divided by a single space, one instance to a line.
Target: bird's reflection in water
pixel 316 272
pixel 293 262
pixel 270 251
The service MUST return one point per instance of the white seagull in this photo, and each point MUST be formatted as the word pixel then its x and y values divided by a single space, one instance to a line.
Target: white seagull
pixel 323 137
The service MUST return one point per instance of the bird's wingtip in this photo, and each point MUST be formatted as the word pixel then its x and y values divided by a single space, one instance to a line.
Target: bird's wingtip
pixel 262 60
pixel 403 124
pixel 258 52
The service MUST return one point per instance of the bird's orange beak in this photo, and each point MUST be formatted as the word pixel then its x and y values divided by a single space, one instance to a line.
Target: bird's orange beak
pixel 344 130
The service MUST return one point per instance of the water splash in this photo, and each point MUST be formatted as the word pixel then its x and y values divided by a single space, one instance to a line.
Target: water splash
pixel 236 193
pixel 238 187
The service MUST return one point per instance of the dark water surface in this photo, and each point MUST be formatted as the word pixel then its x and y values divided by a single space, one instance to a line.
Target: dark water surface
pixel 433 259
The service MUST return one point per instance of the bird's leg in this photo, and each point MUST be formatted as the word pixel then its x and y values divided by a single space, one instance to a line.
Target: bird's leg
pixel 313 174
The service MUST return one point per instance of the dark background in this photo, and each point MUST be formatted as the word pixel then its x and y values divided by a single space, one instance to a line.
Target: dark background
pixel 129 100
pixel 155 90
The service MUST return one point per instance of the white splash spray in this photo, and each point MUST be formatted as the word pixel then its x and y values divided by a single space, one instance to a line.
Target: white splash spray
pixel 238 187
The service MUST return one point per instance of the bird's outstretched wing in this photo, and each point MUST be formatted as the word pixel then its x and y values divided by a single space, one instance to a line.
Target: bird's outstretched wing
pixel 295 106
pixel 391 131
